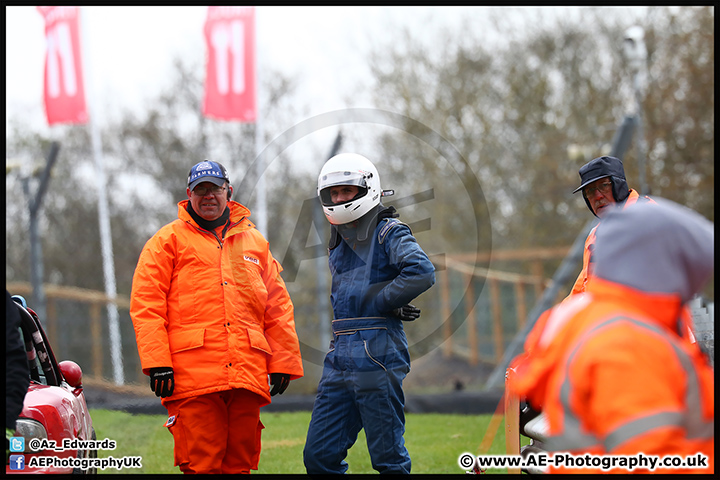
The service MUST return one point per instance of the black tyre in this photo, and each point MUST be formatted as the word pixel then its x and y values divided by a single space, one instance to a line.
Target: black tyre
pixel 87 454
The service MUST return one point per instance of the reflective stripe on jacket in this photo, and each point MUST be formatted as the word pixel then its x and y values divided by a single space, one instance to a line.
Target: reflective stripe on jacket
pixel 216 311
pixel 613 376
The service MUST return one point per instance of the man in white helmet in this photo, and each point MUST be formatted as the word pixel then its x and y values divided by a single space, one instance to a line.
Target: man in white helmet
pixel 377 269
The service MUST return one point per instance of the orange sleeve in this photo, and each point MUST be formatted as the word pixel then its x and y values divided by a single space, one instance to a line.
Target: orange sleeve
pixel 280 324
pixel 581 281
pixel 148 301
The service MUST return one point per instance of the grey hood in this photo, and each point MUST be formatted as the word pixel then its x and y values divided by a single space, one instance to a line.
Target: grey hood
pixel 663 247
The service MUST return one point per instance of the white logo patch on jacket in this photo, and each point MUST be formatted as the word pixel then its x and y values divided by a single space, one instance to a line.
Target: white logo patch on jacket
pixel 253 260
pixel 170 421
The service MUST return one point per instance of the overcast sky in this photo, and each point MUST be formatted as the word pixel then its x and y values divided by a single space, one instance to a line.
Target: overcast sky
pixel 128 51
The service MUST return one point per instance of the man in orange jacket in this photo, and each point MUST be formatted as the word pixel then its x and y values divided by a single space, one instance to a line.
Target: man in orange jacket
pixel 611 369
pixel 603 186
pixel 212 320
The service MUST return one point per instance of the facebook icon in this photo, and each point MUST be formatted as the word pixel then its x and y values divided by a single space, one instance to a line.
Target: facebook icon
pixel 17 462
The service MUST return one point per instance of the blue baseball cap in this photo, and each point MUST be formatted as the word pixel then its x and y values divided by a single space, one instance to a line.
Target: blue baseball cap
pixel 207 171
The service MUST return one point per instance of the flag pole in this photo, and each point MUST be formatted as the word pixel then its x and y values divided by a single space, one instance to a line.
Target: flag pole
pixel 261 223
pixel 232 66
pixel 104 220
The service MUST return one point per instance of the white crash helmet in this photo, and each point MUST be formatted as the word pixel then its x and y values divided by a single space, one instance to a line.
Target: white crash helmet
pixel 349 169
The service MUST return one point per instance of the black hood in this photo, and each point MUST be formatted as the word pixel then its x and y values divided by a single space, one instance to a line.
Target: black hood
pixel 602 167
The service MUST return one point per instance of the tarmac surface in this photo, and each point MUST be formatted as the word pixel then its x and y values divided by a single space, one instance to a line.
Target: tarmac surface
pixel 456 386
pixel 460 402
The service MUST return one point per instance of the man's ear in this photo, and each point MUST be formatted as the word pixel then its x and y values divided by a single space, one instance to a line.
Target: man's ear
pixel 189 192
pixel 230 191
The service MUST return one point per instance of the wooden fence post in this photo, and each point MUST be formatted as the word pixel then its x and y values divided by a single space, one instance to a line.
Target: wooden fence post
pixel 471 321
pixel 96 333
pixel 445 309
pixel 520 304
pixel 537 269
pixel 497 319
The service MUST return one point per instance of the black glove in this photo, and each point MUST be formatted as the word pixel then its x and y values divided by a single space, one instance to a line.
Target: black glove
pixel 407 313
pixel 279 382
pixel 162 381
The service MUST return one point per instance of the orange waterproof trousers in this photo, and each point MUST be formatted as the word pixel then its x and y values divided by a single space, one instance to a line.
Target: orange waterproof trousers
pixel 216 433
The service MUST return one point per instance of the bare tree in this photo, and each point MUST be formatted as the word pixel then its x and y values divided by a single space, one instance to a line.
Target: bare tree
pixel 514 107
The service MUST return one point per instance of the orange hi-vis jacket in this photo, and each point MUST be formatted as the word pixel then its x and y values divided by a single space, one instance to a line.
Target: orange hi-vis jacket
pixel 581 281
pixel 215 310
pixel 613 377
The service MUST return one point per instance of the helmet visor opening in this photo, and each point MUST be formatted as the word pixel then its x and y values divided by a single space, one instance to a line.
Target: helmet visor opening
pixel 326 198
pixel 335 179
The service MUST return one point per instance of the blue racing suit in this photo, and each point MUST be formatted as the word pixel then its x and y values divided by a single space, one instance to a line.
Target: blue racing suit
pixel 361 384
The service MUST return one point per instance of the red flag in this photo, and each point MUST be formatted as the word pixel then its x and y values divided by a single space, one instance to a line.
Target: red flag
pixel 230 78
pixel 64 88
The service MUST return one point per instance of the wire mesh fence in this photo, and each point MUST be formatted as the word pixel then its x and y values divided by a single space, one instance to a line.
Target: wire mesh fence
pixel 471 313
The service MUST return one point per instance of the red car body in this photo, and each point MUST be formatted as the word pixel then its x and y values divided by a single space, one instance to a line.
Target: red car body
pixel 55 399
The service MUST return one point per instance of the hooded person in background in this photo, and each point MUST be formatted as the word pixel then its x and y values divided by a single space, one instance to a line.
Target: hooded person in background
pixel 611 369
pixel 213 319
pixel 603 186
pixel 377 269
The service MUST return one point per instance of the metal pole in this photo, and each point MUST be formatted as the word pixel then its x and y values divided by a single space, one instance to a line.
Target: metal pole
pixel 323 305
pixel 323 292
pixel 105 239
pixel 563 273
pixel 36 258
pixel 636 54
pixel 36 262
pixel 641 145
pixel 261 222
pixel 621 142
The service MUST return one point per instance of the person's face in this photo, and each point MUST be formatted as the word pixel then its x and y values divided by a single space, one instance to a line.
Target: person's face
pixel 599 194
pixel 343 193
pixel 206 202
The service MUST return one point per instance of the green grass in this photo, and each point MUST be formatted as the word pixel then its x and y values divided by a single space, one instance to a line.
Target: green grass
pixel 135 435
pixel 435 441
